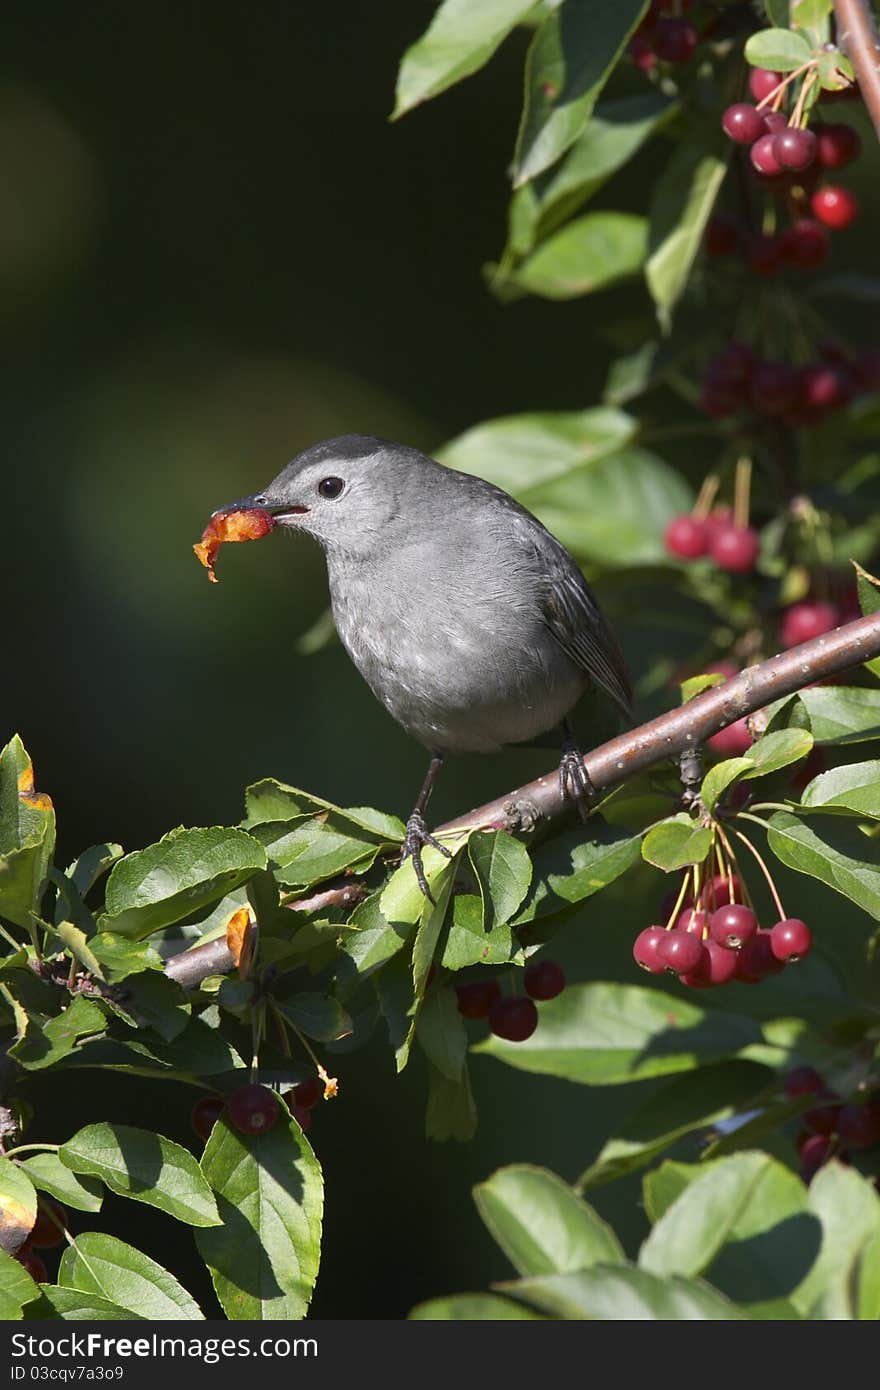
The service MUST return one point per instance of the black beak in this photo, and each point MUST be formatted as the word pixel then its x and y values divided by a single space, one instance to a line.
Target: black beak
pixel 261 501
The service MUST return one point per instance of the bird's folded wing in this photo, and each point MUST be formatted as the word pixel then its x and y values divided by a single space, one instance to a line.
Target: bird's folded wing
pixel 577 623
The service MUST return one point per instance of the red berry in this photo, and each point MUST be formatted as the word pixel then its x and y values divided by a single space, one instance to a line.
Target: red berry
pixel 822 1119
pixel 544 979
pixel 764 255
pixel 755 959
pixel 722 236
pixel 762 82
pixel 205 1114
pixel 720 890
pixel 307 1093
pixel 733 926
pixel 45 1233
pixel 253 1109
pixel 858 1126
pixel 804 621
pixel 718 400
pixel 815 1151
pixel 722 963
pixel 822 388
pixel 645 950
pixel 803 1081
pixel 805 244
pixel 735 548
pixel 836 145
pixel 475 999
pixel 680 951
pixel 774 387
pixel 303 1116
pixel 514 1019
pixel 731 742
pixel 692 919
pixel 641 51
pixel 733 366
pixel 834 206
pixel 674 39
pixel 34 1266
pixel 867 369
pixel 685 537
pixel 763 155
pixel 743 123
pixel 774 122
pixel 794 149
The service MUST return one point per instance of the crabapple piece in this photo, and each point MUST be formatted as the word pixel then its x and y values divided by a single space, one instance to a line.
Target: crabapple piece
pixel 735 548
pixel 250 524
pixel 685 537
pixel 791 939
pixel 835 207
pixel 733 926
pixel 762 82
pixel 513 1019
pixel 731 742
pixel 743 123
pixel 645 950
pixel 680 951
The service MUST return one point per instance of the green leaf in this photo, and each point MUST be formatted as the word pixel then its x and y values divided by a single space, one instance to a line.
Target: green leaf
pixel 70 1305
pixel 27 836
pixel 271 800
pixel 572 56
pixel 120 957
pixel 616 1293
pixel 376 940
pixel 777 750
pixel 832 850
pixel 16 1288
pixel 576 864
pixel 147 1167
pixel 848 1208
pixel 697 684
pixel 852 787
pixel 91 865
pixel 781 50
pixel 810 14
pixel 468 942
pixel 432 919
pixel 101 1264
pixel 842 714
pixel 592 253
pixel 317 1015
pixel 402 901
pixel 472 1307
pixel 188 869
pixel 264 1258
pixel 18 1206
pixel 44 1044
pixel 440 1030
pixel 48 1173
pixel 687 1105
pixel 676 842
pixel 683 201
pixel 305 850
pixel 522 452
pixel 607 1034
pixel 77 942
pixel 451 1112
pixel 542 1226
pixel 503 870
pixel 152 1000
pixel 719 778
pixel 460 39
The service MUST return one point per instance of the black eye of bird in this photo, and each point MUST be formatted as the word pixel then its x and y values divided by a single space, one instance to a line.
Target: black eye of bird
pixel 331 487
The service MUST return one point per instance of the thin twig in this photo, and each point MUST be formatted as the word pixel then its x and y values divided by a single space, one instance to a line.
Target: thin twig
pixel 857 36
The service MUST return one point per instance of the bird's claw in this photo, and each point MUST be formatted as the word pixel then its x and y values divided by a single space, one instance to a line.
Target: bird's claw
pixel 416 837
pixel 574 781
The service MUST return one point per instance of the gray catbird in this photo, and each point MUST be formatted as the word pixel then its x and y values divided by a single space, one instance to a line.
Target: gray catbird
pixel 467 619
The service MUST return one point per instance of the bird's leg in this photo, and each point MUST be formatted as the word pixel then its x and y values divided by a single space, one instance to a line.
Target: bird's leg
pixel 574 781
pixel 417 834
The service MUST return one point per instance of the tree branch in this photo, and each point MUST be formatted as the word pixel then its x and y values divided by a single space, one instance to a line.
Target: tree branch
pixel 857 36
pixel 538 804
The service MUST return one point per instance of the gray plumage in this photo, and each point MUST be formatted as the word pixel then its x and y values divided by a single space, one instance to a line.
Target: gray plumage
pixel 468 620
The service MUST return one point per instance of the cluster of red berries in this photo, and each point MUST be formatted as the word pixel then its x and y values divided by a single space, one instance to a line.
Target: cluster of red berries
pixel 737 379
pixel 717 537
pixel 46 1233
pixel 511 1017
pixel 254 1109
pixel 663 36
pixel 717 939
pixel 831 1129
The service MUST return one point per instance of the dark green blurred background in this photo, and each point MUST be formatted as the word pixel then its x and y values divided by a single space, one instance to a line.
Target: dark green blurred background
pixel 214 250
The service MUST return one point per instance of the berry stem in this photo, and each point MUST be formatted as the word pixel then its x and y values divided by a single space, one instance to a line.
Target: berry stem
pixel 705 497
pixel 280 1027
pixel 777 94
pixel 798 112
pixel 732 860
pixel 741 488
pixel 765 871
pixel 681 896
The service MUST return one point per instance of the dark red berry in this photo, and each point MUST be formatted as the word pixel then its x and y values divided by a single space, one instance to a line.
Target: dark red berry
pixel 804 621
pixel 205 1114
pixel 815 1151
pixel 858 1126
pixel 307 1093
pixel 836 145
pixel 544 979
pixel 34 1266
pixel 674 39
pixel 774 387
pixel 867 369
pixel 303 1116
pixel 755 959
pixel 762 82
pixel 735 548
pixel 764 255
pixel 641 51
pixel 692 920
pixel 513 1019
pixel 680 951
pixel 743 123
pixel 685 537
pixel 794 149
pixel 719 400
pixel 721 890
pixel 645 950
pixel 835 207
pixel 733 926
pixel 803 1081
pixel 722 236
pixel 822 1119
pixel 805 244
pixel 722 963
pixel 763 156
pixel 46 1233
pixel 253 1109
pixel 475 999
pixel 731 742
pixel 774 122
pixel 822 389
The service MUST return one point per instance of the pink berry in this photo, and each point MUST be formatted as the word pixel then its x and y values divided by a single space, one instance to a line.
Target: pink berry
pixel 743 123
pixel 822 388
pixel 858 1126
pixel 721 891
pixel 731 742
pixel 685 537
pixel 645 950
pixel 762 82
pixel 836 145
pixel 544 979
pixel 641 51
pixel 791 939
pixel 680 951
pixel 674 39
pixel 722 236
pixel 804 621
pixel 735 548
pixel 763 156
pixel 835 207
pixel 805 244
pixel 513 1019
pixel 755 959
pixel 722 963
pixel 794 149
pixel 692 919
pixel 733 926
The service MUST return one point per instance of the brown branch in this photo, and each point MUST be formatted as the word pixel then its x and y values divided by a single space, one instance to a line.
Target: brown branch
pixel 857 37
pixel 538 804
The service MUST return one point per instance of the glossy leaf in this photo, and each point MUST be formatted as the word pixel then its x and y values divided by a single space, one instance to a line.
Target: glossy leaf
pixel 100 1264
pixel 144 1166
pixel 591 253
pixel 264 1257
pixel 848 1209
pixel 27 835
pixel 460 39
pixel 781 50
pixel 503 871
pixel 16 1288
pixel 833 850
pixel 684 197
pixel 57 1302
pixel 451 1112
pixel 852 787
pixel 472 1307
pixel 375 939
pixel 271 800
pixel 620 1293
pixel 46 1043
pixel 121 957
pixel 467 941
pixel 842 714
pixel 542 1226
pixel 441 1032
pixel 574 865
pixel 48 1173
pixel 675 843
pixel 18 1206
pixel 317 1015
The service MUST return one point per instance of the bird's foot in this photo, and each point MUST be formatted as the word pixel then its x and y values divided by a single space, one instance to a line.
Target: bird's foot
pixel 574 781
pixel 415 839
